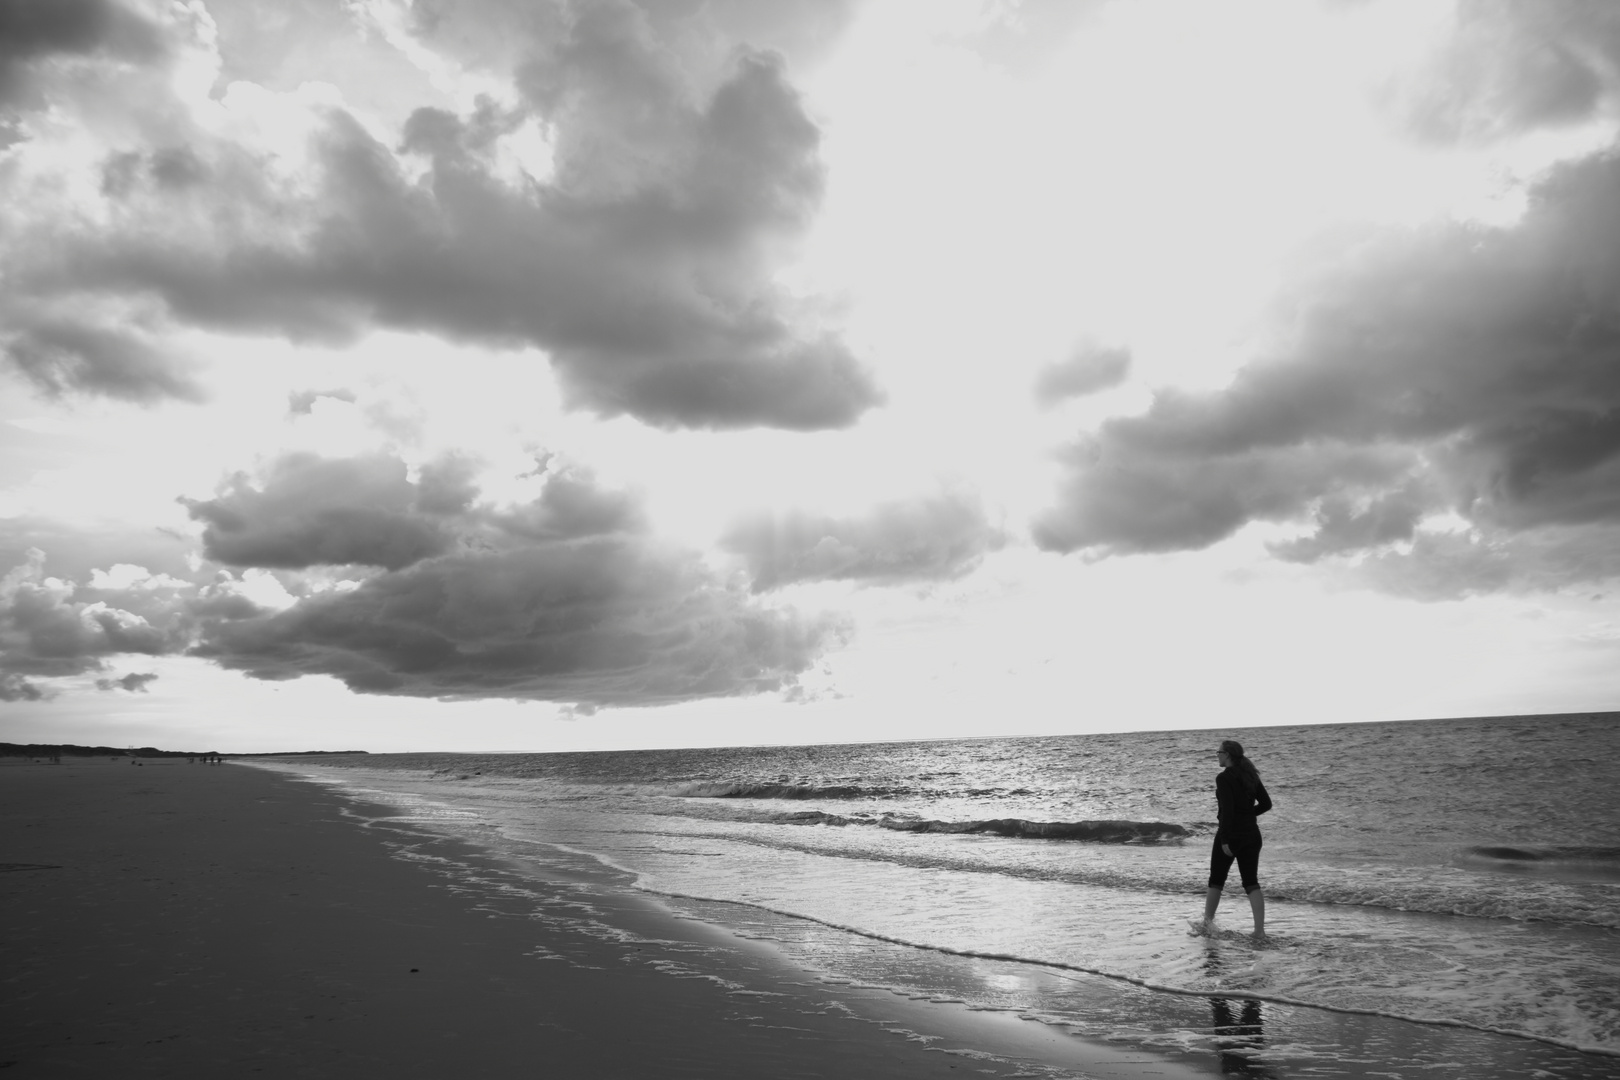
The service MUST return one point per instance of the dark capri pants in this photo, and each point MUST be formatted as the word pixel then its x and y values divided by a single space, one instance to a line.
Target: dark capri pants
pixel 1247 854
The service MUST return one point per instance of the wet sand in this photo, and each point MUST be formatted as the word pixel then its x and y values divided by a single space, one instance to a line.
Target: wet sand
pixel 172 919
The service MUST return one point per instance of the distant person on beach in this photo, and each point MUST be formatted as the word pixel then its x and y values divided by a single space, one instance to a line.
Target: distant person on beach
pixel 1241 798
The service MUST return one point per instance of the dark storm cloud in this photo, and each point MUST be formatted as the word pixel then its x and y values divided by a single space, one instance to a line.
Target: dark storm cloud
pixel 134 682
pixel 1463 369
pixel 930 539
pixel 35 30
pixel 1089 369
pixel 643 267
pixel 63 354
pixel 566 597
pixel 1512 65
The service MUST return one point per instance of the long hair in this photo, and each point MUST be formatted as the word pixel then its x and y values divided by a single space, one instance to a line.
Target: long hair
pixel 1247 773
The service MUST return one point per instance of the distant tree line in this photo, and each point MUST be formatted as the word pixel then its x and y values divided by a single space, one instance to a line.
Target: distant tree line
pixel 8 749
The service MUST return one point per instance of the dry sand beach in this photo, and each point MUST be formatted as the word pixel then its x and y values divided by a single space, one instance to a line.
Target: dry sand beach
pixel 180 920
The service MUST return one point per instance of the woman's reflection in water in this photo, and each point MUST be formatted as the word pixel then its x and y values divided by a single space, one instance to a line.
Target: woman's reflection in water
pixel 1238 1037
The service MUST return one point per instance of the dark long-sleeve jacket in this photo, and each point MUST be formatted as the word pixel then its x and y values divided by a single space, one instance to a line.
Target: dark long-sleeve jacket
pixel 1238 808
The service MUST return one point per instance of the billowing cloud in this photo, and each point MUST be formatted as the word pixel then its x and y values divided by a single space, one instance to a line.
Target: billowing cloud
pixel 1087 370
pixel 76 551
pixel 643 265
pixel 302 402
pixel 565 597
pixel 568 508
pixel 602 621
pixel 134 682
pixel 35 32
pixel 1451 565
pixel 312 511
pixel 1344 525
pixel 929 539
pixel 62 354
pixel 1121 498
pixel 1460 370
pixel 51 628
pixel 17 688
pixel 306 511
pixel 1508 66
pixel 504 36
pixel 410 582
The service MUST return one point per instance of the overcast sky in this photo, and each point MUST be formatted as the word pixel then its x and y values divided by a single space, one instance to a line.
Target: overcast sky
pixel 533 374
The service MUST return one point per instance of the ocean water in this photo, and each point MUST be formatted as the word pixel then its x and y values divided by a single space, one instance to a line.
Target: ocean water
pixel 1441 894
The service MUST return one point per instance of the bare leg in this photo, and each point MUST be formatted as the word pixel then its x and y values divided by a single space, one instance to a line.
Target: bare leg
pixel 1257 901
pixel 1212 900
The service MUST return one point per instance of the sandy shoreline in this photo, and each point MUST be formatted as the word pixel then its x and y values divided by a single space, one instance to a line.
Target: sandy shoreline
pixel 174 919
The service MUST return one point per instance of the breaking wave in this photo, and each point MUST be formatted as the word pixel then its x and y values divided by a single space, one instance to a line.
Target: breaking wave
pixel 1549 854
pixel 1575 862
pixel 1096 832
pixel 737 790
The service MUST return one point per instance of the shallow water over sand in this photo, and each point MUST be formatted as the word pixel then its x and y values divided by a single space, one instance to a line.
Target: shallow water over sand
pixel 1459 873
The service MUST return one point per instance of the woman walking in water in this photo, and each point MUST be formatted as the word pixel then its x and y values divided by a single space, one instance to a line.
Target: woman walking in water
pixel 1241 798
